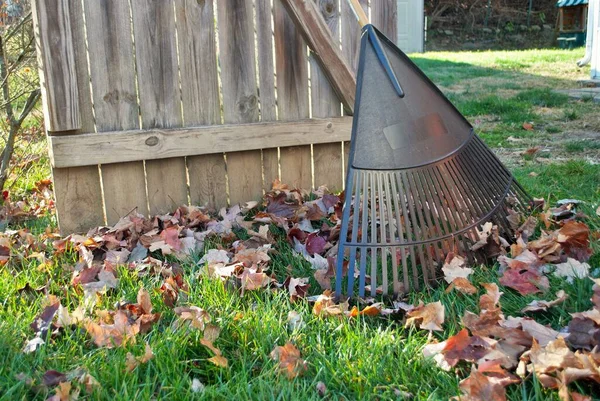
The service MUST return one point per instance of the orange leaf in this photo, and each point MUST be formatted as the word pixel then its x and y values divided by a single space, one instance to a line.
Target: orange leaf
pixel 289 360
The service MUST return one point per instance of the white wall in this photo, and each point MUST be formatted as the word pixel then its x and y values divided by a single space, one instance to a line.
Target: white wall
pixel 410 25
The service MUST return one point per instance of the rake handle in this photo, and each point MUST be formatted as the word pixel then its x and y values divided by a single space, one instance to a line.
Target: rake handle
pixel 359 12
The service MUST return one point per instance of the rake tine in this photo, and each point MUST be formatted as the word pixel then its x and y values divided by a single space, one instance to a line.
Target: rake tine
pixel 409 233
pixel 344 230
pixel 416 231
pixel 391 233
pixel 427 263
pixel 460 190
pixel 373 237
pixel 452 206
pixel 383 240
pixel 396 196
pixel 442 218
pixel 430 214
pixel 497 188
pixel 465 183
pixel 351 263
pixel 364 236
pixel 457 194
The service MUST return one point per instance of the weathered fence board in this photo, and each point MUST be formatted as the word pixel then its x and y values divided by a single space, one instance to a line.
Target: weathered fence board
pixel 384 16
pixel 116 107
pixel 160 100
pixel 266 85
pixel 57 58
pixel 200 96
pixel 351 32
pixel 77 190
pixel 324 103
pixel 190 101
pixel 240 97
pixel 123 146
pixel 292 94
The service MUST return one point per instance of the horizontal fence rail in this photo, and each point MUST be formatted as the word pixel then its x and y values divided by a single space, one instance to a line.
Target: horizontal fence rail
pixel 151 104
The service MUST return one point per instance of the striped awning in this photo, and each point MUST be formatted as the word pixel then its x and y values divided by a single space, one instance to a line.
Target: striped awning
pixel 569 3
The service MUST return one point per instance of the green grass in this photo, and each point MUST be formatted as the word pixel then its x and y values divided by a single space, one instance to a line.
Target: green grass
pixel 581 146
pixel 364 358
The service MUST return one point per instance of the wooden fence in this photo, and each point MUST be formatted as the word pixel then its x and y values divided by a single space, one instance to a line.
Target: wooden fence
pixel 152 104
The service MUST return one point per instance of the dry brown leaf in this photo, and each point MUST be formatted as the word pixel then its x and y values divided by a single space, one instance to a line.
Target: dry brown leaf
pixel 551 357
pixel 536 306
pixel 196 317
pixel 464 347
pixel 542 334
pixel 574 237
pixel 426 317
pixel 254 281
pixel 528 126
pixel 143 299
pixel 65 392
pixel 532 151
pixel 572 268
pixel 478 387
pixel 211 332
pixel 579 397
pixel 290 362
pixel 218 359
pixel 491 299
pixel 120 332
pixel 323 279
pixel 371 310
pixel 463 285
pixel 454 267
pixel 326 306
pixel 297 287
pixel 132 362
pixel 525 280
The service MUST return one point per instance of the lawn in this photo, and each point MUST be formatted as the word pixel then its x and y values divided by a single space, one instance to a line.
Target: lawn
pixel 555 155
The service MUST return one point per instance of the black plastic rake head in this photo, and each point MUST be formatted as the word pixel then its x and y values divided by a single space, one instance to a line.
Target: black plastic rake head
pixel 420 183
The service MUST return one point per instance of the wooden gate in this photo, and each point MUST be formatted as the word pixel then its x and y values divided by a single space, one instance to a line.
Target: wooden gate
pixel 152 104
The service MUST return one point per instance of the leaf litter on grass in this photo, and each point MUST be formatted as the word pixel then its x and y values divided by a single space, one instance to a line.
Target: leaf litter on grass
pixel 502 350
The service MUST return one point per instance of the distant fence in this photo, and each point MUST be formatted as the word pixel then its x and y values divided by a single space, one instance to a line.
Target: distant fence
pixel 152 104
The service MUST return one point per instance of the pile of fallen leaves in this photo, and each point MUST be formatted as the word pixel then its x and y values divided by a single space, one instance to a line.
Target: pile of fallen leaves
pixel 39 201
pixel 506 350
pixel 501 350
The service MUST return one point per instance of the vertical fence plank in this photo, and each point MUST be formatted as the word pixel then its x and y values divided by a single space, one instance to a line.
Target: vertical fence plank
pixel 351 49
pixel 240 101
pixel 292 95
pixel 266 73
pixel 266 85
pixel 384 15
pixel 77 190
pixel 351 33
pixel 327 158
pixel 200 96
pixel 160 101
pixel 112 73
pixel 57 58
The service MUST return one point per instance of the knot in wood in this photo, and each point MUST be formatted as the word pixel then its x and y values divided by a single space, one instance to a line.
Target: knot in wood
pixel 152 141
pixel 247 105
